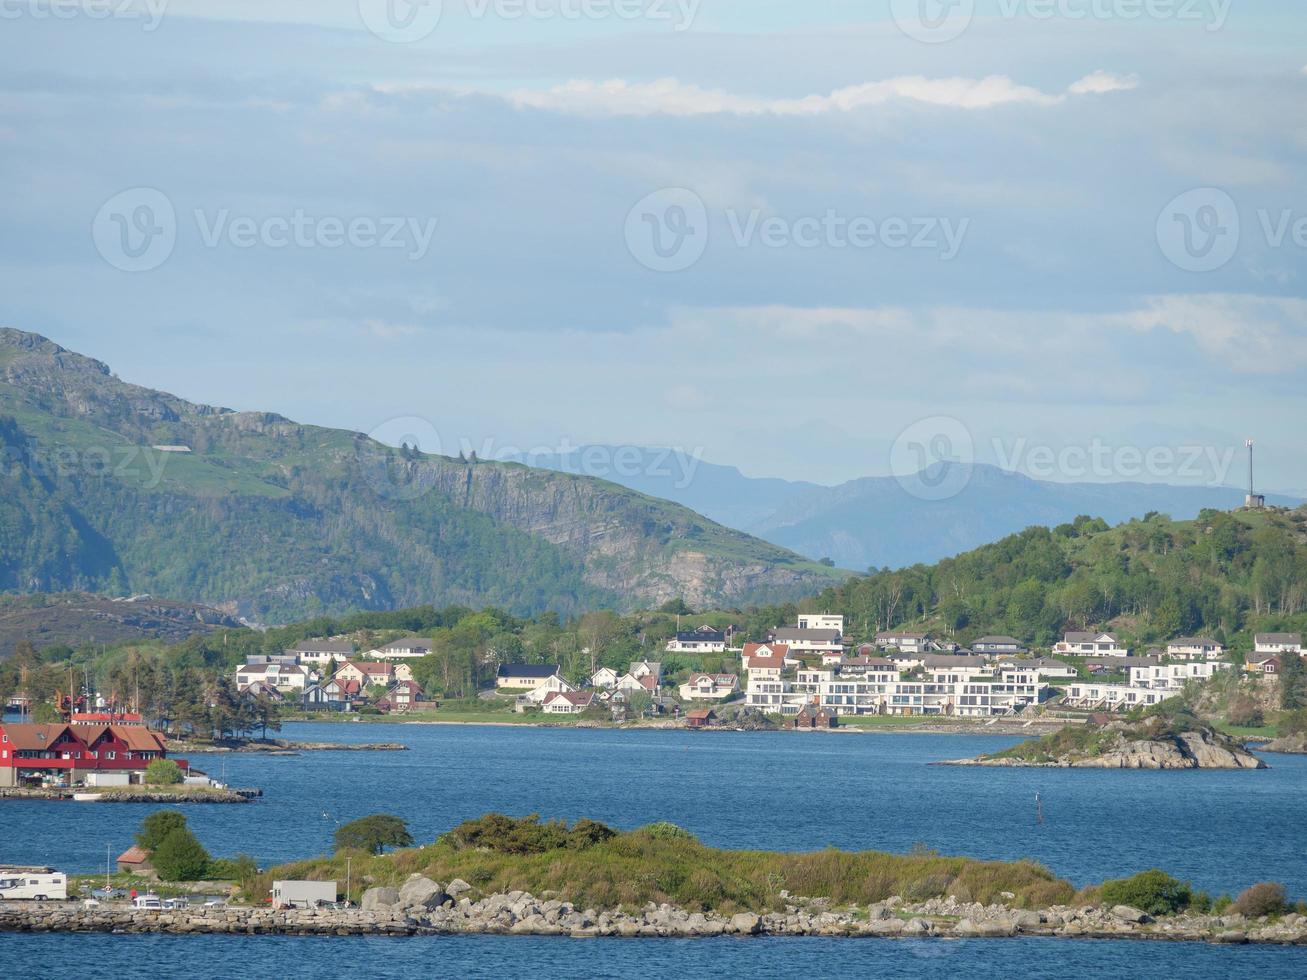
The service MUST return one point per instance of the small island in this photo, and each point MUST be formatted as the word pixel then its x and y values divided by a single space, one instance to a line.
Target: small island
pixel 1165 737
pixel 503 875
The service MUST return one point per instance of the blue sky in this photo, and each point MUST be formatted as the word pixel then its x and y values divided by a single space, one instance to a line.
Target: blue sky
pixel 1071 225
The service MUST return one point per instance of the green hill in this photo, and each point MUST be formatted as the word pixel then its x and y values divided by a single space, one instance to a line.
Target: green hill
pixel 276 521
pixel 1226 574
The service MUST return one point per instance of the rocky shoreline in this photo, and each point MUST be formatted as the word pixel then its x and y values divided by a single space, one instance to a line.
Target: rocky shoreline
pixel 426 908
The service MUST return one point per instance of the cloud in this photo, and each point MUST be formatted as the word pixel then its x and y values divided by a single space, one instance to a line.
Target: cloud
pixel 1102 82
pixel 669 96
pixel 1247 334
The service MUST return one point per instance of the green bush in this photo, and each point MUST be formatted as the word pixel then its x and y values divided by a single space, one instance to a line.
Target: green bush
pixel 163 772
pixel 526 835
pixel 1154 892
pixel 1264 898
pixel 181 857
pixel 662 830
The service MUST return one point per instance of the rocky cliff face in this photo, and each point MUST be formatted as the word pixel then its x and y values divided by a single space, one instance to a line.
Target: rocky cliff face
pixel 272 520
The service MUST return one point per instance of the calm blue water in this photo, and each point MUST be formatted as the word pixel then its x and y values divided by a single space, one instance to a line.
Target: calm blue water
pixel 498 957
pixel 784 791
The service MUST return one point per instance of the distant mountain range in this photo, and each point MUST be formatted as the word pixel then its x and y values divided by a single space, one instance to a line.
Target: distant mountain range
pixel 875 522
pixel 112 488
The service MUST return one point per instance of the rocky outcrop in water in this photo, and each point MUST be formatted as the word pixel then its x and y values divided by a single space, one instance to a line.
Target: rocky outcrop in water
pixel 1199 749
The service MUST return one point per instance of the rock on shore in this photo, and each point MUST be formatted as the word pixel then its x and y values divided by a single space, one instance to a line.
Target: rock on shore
pixel 436 911
pixel 1294 744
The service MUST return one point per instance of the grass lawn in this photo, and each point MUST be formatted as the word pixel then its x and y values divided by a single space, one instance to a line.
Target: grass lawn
pixel 892 721
pixel 1238 731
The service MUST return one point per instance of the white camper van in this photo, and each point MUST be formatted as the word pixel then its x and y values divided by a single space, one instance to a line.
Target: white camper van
pixel 33 884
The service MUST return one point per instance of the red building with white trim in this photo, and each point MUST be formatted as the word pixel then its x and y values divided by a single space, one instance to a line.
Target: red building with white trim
pixel 31 753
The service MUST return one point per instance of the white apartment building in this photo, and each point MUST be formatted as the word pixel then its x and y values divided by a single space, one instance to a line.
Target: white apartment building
pixel 1172 677
pixel 1277 643
pixel 820 621
pixel 1195 648
pixel 1077 644
pixel 1112 697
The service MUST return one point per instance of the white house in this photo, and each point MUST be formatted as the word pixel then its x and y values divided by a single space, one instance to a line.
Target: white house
pixel 405 648
pixel 705 639
pixel 286 678
pixel 1277 643
pixel 904 642
pixel 710 687
pixel 648 683
pixel 367 673
pixel 763 666
pixel 554 684
pixel 567 702
pixel 1079 644
pixel 1195 648
pixel 604 678
pixel 647 668
pixel 802 641
pixel 321 653
pixel 998 644
pixel 820 621
pixel 524 675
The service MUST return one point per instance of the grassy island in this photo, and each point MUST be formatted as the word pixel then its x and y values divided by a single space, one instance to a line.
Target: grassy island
pixel 594 866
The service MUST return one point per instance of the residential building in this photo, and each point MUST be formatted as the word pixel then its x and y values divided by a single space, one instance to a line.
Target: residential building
pixel 647 668
pixel 1195 648
pixel 998 644
pixel 604 678
pixel 814 716
pixel 67 753
pixel 367 673
pixel 1044 666
pixel 567 702
pixel 1081 644
pixel 630 683
pixel 404 697
pixel 710 687
pixel 820 621
pixel 905 660
pixel 287 678
pixel 524 675
pixel 320 653
pixel 705 639
pixel 553 684
pixel 405 648
pixel 950 669
pixel 1277 643
pixel 903 641
pixel 764 665
pixel 1263 663
pixel 1113 697
pixel 339 693
pixel 135 861
pixel 801 641
pixel 1172 677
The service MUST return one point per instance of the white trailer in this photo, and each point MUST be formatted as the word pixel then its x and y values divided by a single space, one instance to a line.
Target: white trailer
pixel 32 884
pixel 302 894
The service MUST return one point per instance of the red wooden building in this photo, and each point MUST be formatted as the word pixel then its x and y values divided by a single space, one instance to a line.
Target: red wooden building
pixel 30 753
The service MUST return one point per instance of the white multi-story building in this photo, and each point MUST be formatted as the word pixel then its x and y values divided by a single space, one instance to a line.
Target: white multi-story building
pixel 705 639
pixel 1077 644
pixel 1195 648
pixel 1172 677
pixel 801 641
pixel 286 678
pixel 1091 694
pixel 406 648
pixel 320 653
pixel 902 641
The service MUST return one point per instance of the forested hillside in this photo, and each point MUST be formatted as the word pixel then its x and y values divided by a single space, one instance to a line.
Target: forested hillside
pixel 1225 573
pixel 113 488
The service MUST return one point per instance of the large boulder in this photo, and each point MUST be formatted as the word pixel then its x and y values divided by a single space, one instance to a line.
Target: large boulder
pixel 457 887
pixel 380 899
pixel 1127 913
pixel 421 891
pixel 746 923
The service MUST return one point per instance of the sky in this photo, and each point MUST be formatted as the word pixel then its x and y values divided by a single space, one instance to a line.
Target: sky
pixel 813 240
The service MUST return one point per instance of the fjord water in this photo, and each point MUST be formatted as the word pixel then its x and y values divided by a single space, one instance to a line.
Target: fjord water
pixel 1222 830
pixel 497 957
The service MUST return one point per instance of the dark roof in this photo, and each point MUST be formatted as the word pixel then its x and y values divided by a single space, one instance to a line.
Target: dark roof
pixel 701 635
pixel 542 671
